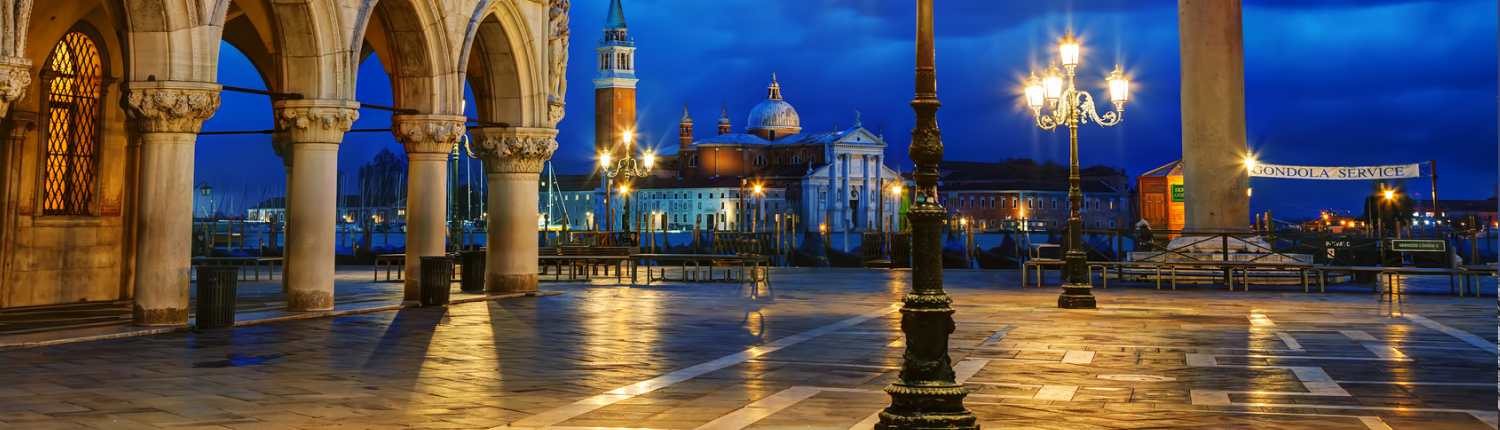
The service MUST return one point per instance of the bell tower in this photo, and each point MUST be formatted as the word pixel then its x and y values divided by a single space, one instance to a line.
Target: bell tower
pixel 614 85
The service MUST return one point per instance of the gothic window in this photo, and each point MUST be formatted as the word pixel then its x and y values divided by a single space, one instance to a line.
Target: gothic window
pixel 74 84
pixel 760 160
pixel 796 159
pixel 693 162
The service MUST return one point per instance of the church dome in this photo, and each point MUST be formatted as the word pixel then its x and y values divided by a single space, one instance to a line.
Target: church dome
pixel 773 112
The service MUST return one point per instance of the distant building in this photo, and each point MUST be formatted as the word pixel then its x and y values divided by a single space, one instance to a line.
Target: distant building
pixel 349 211
pixel 998 195
pixel 1160 193
pixel 1459 213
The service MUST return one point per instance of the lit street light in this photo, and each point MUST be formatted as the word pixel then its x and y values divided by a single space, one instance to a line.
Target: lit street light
pixel 626 168
pixel 1071 107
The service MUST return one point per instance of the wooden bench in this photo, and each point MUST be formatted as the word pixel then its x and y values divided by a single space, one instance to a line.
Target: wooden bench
pixel 1243 266
pixel 754 268
pixel 1040 265
pixel 588 255
pixel 389 260
pixel 1390 275
pixel 1119 266
pixel 243 263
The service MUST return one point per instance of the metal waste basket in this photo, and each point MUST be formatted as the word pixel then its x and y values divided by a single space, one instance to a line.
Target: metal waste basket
pixel 473 271
pixel 217 288
pixel 436 280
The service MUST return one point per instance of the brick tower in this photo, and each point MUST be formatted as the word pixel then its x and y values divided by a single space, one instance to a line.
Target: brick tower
pixel 614 86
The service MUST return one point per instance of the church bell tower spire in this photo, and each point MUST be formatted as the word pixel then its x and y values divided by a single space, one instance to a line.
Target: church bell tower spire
pixel 614 85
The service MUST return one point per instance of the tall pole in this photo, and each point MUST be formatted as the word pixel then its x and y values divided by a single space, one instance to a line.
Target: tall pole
pixel 1077 287
pixel 926 395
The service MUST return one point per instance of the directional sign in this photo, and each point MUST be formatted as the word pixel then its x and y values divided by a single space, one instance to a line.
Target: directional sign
pixel 1419 245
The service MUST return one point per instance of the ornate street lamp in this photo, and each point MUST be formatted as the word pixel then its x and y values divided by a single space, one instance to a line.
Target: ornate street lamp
pixel 926 395
pixel 625 168
pixel 1072 107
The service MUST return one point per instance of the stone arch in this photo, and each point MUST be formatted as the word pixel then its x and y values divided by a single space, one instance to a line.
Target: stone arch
pixel 162 32
pixel 503 73
pixel 408 37
pixel 295 45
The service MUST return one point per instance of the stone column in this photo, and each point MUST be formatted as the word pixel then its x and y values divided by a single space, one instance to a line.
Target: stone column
pixel 15 77
pixel 1213 115
pixel 316 127
pixel 513 159
pixel 428 140
pixel 865 211
pixel 281 142
pixel 168 116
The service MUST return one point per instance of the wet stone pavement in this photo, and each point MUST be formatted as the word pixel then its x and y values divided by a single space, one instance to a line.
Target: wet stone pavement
pixel 813 350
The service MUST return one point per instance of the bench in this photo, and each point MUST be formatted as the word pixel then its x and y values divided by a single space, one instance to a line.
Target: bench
pixel 244 262
pixel 1243 267
pixel 754 268
pixel 1471 275
pixel 1040 265
pixel 588 255
pixel 389 260
pixel 1105 266
pixel 1390 273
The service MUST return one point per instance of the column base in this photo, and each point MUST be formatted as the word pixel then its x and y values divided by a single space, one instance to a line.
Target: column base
pixel 309 300
pixel 158 317
pixel 1077 297
pixel 500 283
pixel 928 421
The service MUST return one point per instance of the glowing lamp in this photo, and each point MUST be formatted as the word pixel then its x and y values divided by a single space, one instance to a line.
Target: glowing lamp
pixel 1390 194
pixel 757 189
pixel 1119 86
pixel 1068 47
pixel 625 136
pixel 604 160
pixel 650 160
pixel 1250 163
pixel 1052 84
pixel 1034 92
pixel 896 190
pixel 624 189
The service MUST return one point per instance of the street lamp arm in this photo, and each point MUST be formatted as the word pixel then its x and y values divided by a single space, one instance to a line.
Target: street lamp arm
pixel 1046 122
pixel 1106 120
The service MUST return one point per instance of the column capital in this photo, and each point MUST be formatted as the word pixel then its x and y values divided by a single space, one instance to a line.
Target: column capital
pixel 316 121
pixel 281 142
pixel 428 134
pixel 15 76
pixel 170 106
pixel 513 149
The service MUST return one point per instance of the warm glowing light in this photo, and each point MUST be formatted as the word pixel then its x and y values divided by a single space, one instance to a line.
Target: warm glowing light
pixel 1390 194
pixel 1068 48
pixel 896 190
pixel 757 189
pixel 1250 162
pixel 650 160
pixel 1119 86
pixel 604 160
pixel 1247 191
pixel 823 227
pixel 964 221
pixel 1052 83
pixel 1034 91
pixel 626 135
pixel 1325 216
pixel 624 189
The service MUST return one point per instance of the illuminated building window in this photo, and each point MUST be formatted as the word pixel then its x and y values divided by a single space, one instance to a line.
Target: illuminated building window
pixel 74 84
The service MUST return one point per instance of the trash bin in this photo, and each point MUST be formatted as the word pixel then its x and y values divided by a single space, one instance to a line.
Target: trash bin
pixel 473 271
pixel 217 288
pixel 436 280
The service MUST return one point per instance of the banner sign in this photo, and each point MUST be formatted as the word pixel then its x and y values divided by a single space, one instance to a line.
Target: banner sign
pixel 1418 245
pixel 1337 173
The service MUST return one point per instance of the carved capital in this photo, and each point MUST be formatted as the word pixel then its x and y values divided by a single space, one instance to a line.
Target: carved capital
pixel 316 121
pixel 170 107
pixel 281 142
pixel 555 112
pixel 514 149
pixel 429 134
pixel 15 76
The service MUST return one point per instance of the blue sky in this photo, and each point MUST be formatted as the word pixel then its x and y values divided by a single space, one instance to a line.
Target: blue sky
pixel 1328 82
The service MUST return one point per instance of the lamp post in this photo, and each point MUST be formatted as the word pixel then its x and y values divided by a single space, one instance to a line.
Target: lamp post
pixel 760 211
pixel 926 394
pixel 626 168
pixel 896 208
pixel 1072 107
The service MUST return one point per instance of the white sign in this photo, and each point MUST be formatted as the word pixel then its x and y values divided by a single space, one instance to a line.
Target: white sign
pixel 1337 173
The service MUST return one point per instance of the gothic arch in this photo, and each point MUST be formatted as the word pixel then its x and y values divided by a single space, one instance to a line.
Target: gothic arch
pixel 502 71
pixel 409 38
pixel 297 46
